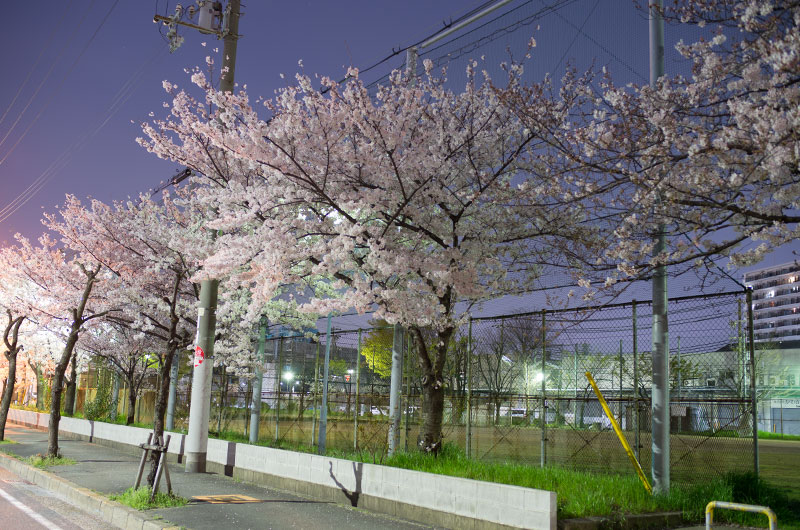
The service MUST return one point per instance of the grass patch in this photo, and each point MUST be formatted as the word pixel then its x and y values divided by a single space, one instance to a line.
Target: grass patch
pixel 766 435
pixel 582 494
pixel 7 442
pixel 43 462
pixel 140 499
pixel 748 489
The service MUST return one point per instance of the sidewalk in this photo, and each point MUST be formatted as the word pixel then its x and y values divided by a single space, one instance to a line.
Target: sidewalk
pixel 108 471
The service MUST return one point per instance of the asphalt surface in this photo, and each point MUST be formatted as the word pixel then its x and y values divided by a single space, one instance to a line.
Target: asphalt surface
pixel 109 471
pixel 25 506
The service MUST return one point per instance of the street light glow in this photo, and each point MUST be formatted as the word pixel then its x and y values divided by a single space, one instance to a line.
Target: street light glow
pixel 288 376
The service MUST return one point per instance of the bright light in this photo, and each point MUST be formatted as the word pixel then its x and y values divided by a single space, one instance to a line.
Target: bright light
pixel 350 371
pixel 288 376
pixel 538 378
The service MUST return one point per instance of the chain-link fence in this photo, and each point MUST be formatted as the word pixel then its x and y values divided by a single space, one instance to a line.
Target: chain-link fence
pixel 516 389
pixel 525 364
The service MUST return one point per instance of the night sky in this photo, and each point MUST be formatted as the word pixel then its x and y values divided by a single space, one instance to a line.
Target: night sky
pixel 78 112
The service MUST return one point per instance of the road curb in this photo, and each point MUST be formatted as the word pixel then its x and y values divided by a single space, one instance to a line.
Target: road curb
pixel 110 511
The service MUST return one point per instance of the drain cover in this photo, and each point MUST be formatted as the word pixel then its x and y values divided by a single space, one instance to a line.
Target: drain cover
pixel 225 499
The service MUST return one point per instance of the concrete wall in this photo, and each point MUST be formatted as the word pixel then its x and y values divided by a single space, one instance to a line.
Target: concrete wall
pixel 433 499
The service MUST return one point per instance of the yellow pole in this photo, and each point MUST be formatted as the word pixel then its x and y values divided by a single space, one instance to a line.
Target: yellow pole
pixel 617 430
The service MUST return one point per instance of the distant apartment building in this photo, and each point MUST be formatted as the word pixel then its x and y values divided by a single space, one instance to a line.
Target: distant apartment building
pixel 776 302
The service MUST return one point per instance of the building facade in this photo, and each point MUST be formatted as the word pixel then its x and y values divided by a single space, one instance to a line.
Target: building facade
pixel 776 302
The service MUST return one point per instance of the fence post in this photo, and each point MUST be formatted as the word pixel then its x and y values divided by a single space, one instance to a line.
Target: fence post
pixel 323 417
pixel 544 390
pixel 278 373
pixel 469 390
pixel 255 398
pixel 680 375
pixel 358 389
pixel 619 403
pixel 407 372
pixel 396 388
pixel 753 398
pixel 635 383
pixel 316 397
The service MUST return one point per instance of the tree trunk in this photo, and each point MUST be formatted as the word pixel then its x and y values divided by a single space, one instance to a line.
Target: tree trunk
pixel 432 388
pixel 160 411
pixel 131 403
pixel 72 386
pixel 8 391
pixel 58 385
pixel 433 410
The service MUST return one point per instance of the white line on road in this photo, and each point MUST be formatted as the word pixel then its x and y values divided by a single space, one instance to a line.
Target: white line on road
pixel 29 512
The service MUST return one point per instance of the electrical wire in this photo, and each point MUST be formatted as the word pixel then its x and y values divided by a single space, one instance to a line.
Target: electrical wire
pixel 121 97
pixel 56 61
pixel 37 185
pixel 35 64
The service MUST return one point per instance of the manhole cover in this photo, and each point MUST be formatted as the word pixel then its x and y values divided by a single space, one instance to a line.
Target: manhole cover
pixel 225 499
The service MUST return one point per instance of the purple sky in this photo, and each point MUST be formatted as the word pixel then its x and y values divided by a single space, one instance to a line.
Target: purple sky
pixel 79 122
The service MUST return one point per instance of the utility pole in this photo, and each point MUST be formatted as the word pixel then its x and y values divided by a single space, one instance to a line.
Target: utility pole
pixel 197 439
pixel 660 400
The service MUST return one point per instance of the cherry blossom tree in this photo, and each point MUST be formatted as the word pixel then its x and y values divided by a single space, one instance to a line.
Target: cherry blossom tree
pixel 14 304
pixel 61 293
pixel 409 201
pixel 714 157
pixel 128 352
pixel 148 246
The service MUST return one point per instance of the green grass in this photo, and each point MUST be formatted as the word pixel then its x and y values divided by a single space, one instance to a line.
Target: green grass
pixel 7 442
pixel 582 494
pixel 766 435
pixel 140 499
pixel 43 462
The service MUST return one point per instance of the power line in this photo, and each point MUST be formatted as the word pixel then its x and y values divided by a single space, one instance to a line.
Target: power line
pixel 35 64
pixel 37 185
pixel 44 80
pixel 120 98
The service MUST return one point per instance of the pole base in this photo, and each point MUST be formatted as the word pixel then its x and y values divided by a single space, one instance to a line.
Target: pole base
pixel 195 462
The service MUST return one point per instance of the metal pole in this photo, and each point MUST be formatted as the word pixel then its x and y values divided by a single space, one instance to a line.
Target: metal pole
pixel 660 402
pixel 395 389
pixel 575 404
pixel 197 439
pixel 753 398
pixel 460 25
pixel 358 390
pixel 411 64
pixel 408 390
pixel 543 459
pixel 740 358
pixel 279 372
pixel 316 398
pixel 619 403
pixel 469 391
pixel 323 415
pixel 258 376
pixel 636 418
pixel 680 375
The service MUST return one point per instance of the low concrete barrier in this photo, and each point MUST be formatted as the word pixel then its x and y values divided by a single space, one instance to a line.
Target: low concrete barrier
pixel 426 497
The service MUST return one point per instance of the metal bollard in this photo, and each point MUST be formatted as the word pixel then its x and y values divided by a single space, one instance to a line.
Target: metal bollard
pixel 773 520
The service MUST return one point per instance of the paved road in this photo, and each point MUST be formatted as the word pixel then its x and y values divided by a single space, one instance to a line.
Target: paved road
pixel 24 506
